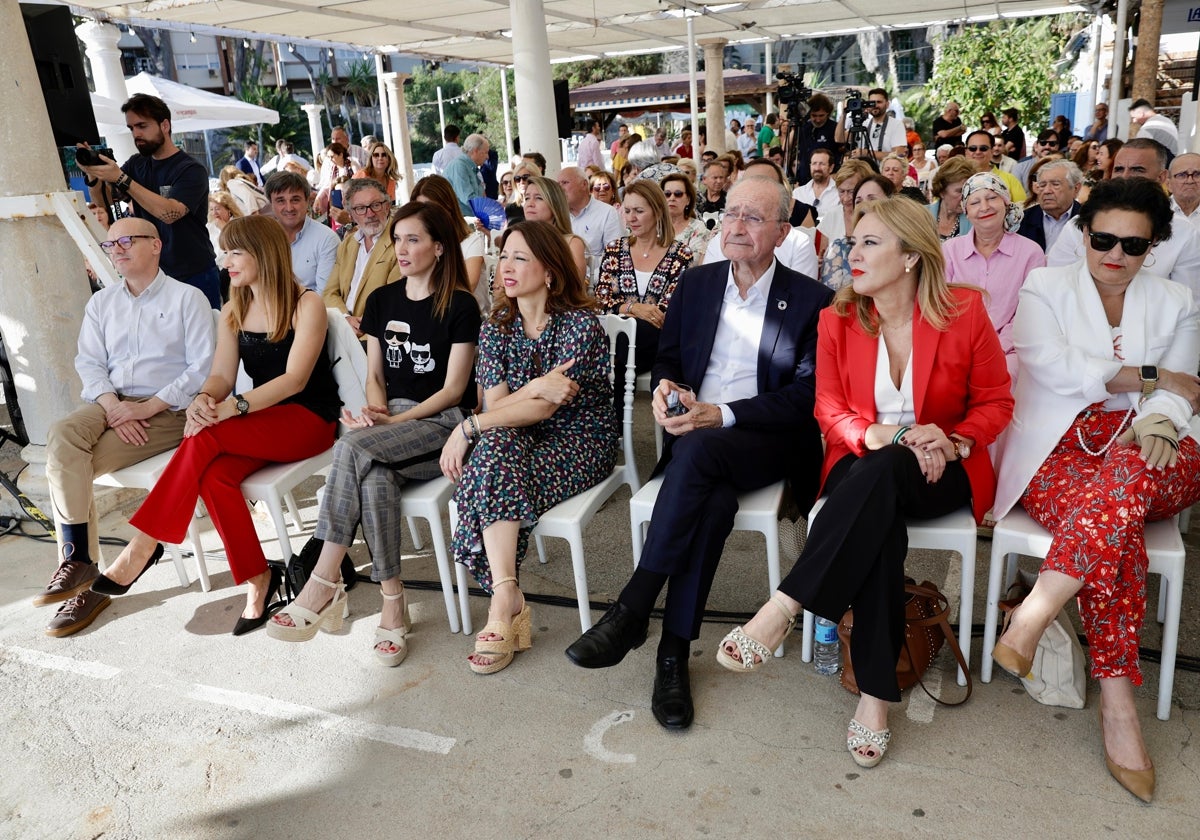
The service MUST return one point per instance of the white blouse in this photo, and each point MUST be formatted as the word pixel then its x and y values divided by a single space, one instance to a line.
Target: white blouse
pixel 893 406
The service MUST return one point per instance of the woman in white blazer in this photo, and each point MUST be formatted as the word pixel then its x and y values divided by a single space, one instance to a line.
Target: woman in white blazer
pixel 1098 444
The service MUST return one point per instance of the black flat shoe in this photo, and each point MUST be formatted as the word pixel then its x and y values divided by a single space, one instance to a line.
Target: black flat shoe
pixel 245 625
pixel 617 632
pixel 107 586
pixel 672 700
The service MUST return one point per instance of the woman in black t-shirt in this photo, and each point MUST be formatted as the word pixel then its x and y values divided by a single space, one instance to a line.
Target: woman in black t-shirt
pixel 421 333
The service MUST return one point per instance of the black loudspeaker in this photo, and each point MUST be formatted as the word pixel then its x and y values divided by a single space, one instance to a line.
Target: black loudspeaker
pixel 562 108
pixel 60 71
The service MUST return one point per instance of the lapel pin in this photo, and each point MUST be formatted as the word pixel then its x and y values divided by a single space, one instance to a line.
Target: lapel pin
pixel 782 305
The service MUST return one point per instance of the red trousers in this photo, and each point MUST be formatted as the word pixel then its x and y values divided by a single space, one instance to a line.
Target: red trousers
pixel 1097 508
pixel 212 464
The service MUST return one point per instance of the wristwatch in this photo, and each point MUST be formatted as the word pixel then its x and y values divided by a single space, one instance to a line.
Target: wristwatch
pixel 962 450
pixel 243 407
pixel 124 182
pixel 1149 376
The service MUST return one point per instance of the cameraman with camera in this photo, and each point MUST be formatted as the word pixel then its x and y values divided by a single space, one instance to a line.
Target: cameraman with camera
pixel 816 132
pixel 167 186
pixel 876 138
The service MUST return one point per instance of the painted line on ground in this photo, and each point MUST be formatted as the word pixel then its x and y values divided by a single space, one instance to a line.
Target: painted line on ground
pixel 413 739
pixel 55 662
pixel 593 742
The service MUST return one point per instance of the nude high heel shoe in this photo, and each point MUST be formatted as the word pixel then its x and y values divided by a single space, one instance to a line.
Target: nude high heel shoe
pixel 515 635
pixel 1138 782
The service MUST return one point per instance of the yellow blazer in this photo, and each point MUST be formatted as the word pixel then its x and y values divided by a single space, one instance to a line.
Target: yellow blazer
pixel 380 270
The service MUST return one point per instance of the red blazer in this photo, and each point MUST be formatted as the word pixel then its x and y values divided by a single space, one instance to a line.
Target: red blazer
pixel 960 383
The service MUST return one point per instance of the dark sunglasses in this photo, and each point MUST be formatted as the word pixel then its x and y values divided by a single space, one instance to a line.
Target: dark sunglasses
pixel 523 179
pixel 674 193
pixel 1133 246
pixel 601 187
pixel 979 148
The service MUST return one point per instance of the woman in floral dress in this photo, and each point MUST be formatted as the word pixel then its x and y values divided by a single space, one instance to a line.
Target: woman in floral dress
pixel 548 432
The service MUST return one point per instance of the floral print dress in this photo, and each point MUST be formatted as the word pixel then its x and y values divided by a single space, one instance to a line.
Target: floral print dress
pixel 515 475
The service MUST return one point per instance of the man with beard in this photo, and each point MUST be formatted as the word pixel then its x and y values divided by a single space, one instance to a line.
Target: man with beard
pixel 169 188
pixel 366 259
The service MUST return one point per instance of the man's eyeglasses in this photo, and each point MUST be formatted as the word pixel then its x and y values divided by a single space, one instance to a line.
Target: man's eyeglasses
pixel 1186 176
pixel 747 219
pixel 987 148
pixel 1133 246
pixel 1050 144
pixel 364 209
pixel 125 242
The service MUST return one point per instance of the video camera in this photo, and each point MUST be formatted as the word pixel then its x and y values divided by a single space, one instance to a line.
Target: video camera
pixel 855 106
pixel 793 93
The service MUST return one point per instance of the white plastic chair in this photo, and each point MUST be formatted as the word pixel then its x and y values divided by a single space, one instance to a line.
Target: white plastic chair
pixel 274 483
pixel 758 511
pixel 568 519
pixel 1017 533
pixel 953 532
pixel 143 476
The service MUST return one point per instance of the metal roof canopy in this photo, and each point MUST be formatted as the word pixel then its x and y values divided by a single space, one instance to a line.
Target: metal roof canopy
pixel 478 30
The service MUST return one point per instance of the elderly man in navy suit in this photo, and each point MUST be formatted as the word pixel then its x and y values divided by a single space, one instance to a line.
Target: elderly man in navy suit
pixel 743 334
pixel 1058 184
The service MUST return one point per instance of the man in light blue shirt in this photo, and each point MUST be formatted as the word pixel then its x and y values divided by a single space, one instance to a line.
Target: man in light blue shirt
pixel 314 246
pixel 463 171
pixel 145 348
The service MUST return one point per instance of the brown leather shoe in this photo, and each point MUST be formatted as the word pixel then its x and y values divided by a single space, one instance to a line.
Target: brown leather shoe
pixel 68 579
pixel 77 613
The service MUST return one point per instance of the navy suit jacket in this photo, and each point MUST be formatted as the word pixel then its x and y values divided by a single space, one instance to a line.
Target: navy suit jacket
pixel 787 354
pixel 1031 224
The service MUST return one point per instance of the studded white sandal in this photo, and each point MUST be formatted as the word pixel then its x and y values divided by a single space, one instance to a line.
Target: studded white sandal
pixel 748 647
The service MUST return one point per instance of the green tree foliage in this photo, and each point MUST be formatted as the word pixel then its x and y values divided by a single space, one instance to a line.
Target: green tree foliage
pixel 462 105
pixel 581 73
pixel 292 125
pixel 1004 64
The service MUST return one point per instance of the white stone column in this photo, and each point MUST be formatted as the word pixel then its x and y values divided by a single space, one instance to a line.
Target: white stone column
pixel 714 92
pixel 383 107
pixel 402 148
pixel 43 289
pixel 100 42
pixel 316 135
pixel 768 76
pixel 534 88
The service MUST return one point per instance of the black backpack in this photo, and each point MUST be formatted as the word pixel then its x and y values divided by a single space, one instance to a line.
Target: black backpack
pixel 300 567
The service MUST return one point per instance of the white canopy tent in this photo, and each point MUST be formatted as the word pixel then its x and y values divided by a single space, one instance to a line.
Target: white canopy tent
pixel 192 109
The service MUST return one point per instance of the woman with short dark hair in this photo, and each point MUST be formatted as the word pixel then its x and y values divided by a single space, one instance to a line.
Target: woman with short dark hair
pixel 1101 445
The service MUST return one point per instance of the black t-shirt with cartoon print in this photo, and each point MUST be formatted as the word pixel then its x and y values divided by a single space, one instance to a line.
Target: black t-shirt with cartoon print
pixel 415 345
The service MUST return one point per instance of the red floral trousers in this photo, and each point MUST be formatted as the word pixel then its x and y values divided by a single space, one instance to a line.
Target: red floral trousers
pixel 1096 507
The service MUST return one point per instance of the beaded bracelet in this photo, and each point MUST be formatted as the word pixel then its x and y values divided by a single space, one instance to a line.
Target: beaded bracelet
pixel 475 426
pixel 462 428
pixel 903 431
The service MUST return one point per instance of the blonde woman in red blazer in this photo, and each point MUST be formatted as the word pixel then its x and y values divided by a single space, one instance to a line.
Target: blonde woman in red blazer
pixel 907 421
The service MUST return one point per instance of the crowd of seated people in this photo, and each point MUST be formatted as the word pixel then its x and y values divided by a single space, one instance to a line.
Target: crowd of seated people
pixel 901 361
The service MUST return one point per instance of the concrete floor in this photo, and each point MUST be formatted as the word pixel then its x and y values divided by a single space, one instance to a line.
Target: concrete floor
pixel 156 723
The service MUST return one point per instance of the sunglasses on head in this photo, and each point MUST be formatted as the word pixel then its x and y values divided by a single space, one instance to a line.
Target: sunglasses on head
pixel 1133 246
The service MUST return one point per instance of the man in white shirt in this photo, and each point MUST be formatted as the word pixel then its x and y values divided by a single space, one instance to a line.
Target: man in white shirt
pixel 887 134
pixel 747 141
pixel 595 222
pixel 450 148
pixel 314 246
pixel 1154 125
pixel 589 148
pixel 1184 183
pixel 145 348
pixel 820 192
pixel 749 424
pixel 1178 256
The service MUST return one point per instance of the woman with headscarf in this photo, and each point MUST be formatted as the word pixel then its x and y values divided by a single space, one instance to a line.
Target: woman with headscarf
pixel 992 255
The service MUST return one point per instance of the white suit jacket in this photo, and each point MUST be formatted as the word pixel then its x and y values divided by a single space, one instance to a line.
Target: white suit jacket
pixel 1066 357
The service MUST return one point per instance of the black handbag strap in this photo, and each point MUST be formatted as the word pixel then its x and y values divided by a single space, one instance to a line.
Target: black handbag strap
pixel 939 618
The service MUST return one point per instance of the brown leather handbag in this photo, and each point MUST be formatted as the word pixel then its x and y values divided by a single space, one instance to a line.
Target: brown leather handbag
pixel 926 630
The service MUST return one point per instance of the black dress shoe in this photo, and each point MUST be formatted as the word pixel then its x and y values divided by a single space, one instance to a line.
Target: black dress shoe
pixel 107 586
pixel 617 632
pixel 672 700
pixel 245 625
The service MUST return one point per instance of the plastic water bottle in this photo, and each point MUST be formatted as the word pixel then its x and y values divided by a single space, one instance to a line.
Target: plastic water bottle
pixel 827 654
